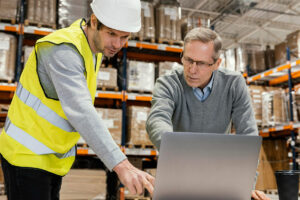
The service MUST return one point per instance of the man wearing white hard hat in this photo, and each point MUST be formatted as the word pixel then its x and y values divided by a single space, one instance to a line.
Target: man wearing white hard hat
pixel 53 106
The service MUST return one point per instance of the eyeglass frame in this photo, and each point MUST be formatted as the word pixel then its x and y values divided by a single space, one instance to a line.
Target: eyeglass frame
pixel 200 64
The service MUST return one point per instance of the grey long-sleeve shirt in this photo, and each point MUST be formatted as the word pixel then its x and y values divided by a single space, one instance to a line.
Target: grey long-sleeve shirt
pixel 61 72
pixel 176 108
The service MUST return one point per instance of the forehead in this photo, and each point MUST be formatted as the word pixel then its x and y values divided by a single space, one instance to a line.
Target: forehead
pixel 117 32
pixel 199 50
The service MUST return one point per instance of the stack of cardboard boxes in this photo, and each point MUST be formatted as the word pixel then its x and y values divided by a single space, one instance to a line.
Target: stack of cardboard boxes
pixel 72 10
pixel 112 118
pixel 273 156
pixel 41 12
pixel 9 9
pixel 137 134
pixel 107 78
pixel 147 31
pixel 140 76
pixel 168 22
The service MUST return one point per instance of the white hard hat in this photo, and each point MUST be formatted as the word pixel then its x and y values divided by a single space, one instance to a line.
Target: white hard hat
pixel 122 15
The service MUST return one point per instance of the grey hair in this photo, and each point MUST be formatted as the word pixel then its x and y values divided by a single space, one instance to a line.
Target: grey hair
pixel 205 35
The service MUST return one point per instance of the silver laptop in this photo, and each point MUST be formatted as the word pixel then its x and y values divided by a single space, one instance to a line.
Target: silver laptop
pixel 206 166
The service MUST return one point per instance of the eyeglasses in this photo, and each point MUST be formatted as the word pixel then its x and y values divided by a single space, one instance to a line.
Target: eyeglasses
pixel 200 64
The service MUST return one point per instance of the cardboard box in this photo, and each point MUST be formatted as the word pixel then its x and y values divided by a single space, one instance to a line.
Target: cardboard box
pixel 269 58
pixel 280 53
pixel 41 11
pixel 166 68
pixel 112 118
pixel 274 104
pixel 140 76
pixel 168 23
pixel 72 10
pixel 256 97
pixel 273 156
pixel 293 42
pixel 107 77
pixel 148 27
pixel 8 9
pixel 260 64
pixel 8 44
pixel 137 134
pixel 27 52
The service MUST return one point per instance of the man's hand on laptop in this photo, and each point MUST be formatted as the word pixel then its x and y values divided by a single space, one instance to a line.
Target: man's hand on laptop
pixel 134 179
pixel 259 195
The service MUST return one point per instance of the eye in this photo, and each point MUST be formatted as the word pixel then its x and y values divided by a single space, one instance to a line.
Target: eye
pixel 111 33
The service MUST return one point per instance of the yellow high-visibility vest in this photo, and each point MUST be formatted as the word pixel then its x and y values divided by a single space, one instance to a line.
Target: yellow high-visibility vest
pixel 37 133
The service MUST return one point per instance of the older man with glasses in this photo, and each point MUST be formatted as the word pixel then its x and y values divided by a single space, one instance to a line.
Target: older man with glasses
pixel 201 97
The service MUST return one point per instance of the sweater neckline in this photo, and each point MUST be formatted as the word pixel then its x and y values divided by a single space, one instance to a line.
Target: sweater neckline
pixel 190 89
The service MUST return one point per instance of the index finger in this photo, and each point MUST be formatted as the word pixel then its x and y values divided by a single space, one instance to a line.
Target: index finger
pixel 148 186
pixel 151 179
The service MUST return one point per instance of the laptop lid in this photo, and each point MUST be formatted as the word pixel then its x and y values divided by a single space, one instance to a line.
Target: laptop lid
pixel 206 166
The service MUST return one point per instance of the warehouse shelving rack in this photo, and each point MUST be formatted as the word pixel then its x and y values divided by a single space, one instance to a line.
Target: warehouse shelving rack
pixel 280 74
pixel 123 95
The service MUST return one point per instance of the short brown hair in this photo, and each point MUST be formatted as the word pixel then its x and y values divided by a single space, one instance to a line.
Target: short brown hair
pixel 205 35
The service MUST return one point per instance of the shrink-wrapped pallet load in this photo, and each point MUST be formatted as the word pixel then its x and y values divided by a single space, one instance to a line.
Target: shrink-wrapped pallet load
pixel 293 42
pixel 137 134
pixel 280 53
pixel 168 22
pixel 274 107
pixel 140 76
pixel 107 78
pixel 27 52
pixel 230 59
pixel 41 12
pixel 256 98
pixel 147 31
pixel 112 119
pixel 166 68
pixel 9 10
pixel 71 10
pixel 8 44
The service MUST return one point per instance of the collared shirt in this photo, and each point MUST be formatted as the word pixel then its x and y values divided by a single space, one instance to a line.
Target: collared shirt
pixel 203 94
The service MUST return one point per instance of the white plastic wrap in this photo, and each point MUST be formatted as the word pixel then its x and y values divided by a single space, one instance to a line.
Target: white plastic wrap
pixel 230 59
pixel 8 9
pixel 41 11
pixel 71 10
pixel 168 23
pixel 8 45
pixel 140 76
pixel 166 68
pixel 27 52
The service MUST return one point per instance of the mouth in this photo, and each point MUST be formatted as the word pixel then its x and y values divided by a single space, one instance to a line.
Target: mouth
pixel 192 79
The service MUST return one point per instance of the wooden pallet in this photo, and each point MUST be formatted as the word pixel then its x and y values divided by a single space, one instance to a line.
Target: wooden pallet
pixel 140 146
pixel 6 81
pixel 170 42
pixel 136 198
pixel 105 88
pixel 28 22
pixel 8 20
pixel 140 91
pixel 275 192
pixel 2 190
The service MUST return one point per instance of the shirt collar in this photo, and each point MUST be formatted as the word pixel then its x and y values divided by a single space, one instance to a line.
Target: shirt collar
pixel 209 85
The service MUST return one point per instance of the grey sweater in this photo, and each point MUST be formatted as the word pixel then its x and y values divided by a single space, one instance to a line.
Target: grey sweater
pixel 175 107
pixel 61 72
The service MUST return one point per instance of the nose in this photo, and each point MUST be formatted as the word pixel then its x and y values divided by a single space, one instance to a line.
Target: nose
pixel 117 43
pixel 193 68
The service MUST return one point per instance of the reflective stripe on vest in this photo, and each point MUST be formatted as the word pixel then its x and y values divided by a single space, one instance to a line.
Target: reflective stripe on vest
pixel 31 143
pixel 42 110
